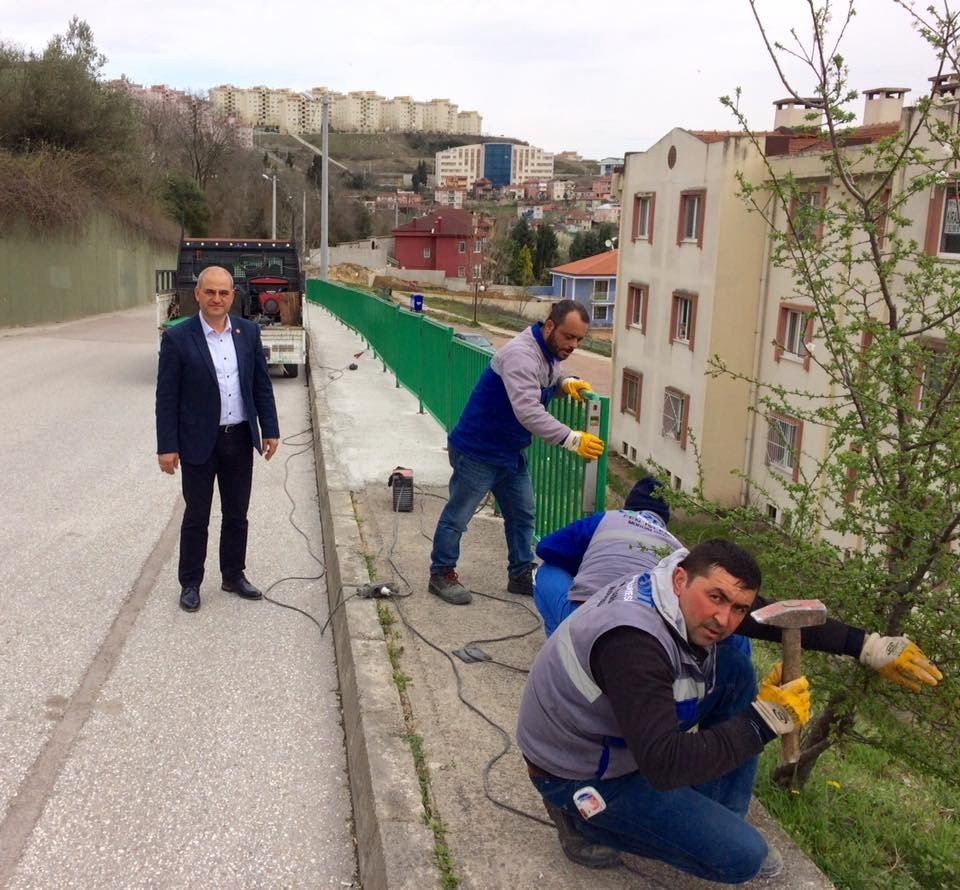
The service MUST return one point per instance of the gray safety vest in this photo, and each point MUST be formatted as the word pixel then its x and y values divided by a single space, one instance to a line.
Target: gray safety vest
pixel 566 725
pixel 624 543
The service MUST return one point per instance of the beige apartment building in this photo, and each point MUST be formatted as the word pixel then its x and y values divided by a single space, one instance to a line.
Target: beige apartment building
pixel 688 279
pixel 361 111
pixel 501 163
pixel 698 279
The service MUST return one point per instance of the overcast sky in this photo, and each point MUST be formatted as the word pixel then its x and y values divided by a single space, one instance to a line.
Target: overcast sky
pixel 601 79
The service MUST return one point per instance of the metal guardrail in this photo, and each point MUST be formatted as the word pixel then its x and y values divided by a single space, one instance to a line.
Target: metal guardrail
pixel 441 371
pixel 165 280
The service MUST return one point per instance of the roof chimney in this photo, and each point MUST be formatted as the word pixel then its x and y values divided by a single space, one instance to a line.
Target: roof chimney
pixel 883 105
pixel 793 113
pixel 945 87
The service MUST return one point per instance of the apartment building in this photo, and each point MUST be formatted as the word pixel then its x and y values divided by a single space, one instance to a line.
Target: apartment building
pixel 698 280
pixel 689 264
pixel 780 447
pixel 363 111
pixel 501 162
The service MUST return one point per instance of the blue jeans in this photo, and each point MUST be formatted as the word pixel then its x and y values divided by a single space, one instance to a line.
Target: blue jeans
pixel 550 587
pixel 700 829
pixel 469 484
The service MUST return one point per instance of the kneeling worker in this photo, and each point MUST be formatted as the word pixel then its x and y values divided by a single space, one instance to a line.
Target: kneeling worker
pixel 616 776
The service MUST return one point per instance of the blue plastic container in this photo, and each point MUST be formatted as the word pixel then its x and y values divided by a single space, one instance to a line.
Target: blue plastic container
pixel 416 302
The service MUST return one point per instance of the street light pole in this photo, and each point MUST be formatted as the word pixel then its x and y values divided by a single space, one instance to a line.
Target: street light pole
pixel 325 172
pixel 273 227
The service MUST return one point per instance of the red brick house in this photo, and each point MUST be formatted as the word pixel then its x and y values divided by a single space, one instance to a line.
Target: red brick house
pixel 451 240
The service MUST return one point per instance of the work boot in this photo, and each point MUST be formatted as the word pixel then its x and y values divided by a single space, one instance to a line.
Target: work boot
pixel 522 583
pixel 447 586
pixel 772 865
pixel 576 847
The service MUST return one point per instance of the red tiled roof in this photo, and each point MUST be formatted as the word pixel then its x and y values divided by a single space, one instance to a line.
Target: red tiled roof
pixel 446 222
pixel 786 141
pixel 601 264
pixel 714 135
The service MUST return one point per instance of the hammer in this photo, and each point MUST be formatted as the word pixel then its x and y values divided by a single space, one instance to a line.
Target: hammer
pixel 791 616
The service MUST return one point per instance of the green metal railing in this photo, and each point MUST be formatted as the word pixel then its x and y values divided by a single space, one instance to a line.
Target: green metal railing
pixel 441 371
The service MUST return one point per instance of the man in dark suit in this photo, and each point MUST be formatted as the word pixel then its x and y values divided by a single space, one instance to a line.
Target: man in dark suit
pixel 214 397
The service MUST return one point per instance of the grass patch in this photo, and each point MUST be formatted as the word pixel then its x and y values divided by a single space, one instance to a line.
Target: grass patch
pixel 869 822
pixel 431 818
pixel 492 315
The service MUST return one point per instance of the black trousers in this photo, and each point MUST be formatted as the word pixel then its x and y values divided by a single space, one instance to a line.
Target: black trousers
pixel 231 464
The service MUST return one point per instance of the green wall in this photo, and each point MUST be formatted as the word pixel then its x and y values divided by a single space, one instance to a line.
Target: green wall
pixel 62 277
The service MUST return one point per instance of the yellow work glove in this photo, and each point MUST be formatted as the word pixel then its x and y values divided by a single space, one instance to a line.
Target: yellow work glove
pixel 783 708
pixel 576 388
pixel 587 445
pixel 899 660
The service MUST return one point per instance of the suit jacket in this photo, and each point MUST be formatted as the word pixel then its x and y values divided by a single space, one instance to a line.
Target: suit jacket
pixel 188 397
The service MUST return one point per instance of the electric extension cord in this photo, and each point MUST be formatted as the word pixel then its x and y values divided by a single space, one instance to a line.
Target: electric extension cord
pixel 378 591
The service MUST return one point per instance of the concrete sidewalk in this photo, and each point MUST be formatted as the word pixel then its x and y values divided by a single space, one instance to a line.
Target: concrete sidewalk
pixel 464 713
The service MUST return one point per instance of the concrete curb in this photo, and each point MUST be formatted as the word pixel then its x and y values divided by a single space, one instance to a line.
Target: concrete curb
pixel 395 850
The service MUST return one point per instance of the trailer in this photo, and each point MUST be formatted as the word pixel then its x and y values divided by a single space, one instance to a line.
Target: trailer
pixel 268 284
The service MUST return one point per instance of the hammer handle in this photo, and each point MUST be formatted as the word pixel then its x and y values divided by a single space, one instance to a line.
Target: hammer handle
pixel 790 743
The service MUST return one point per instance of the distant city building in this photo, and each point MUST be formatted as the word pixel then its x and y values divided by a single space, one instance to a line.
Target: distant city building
pixel 450 197
pixel 161 94
pixel 608 165
pixel 365 111
pixel 502 163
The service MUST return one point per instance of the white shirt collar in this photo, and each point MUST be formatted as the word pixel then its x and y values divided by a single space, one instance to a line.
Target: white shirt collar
pixel 207 330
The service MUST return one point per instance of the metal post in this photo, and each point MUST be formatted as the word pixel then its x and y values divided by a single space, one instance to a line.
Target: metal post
pixel 589 503
pixel 273 226
pixel 325 197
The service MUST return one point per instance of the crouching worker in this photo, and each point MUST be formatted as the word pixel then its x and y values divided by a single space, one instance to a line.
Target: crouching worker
pixel 606 714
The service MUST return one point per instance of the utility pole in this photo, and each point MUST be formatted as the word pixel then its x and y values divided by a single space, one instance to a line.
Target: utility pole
pixel 303 226
pixel 325 196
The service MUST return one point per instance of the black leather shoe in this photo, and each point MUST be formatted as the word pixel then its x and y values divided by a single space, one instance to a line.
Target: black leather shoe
pixel 241 587
pixel 190 598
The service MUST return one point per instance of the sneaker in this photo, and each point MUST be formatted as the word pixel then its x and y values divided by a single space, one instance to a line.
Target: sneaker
pixel 522 583
pixel 447 586
pixel 772 865
pixel 576 847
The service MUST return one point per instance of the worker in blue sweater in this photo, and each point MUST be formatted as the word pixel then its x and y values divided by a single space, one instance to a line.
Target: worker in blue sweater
pixel 507 407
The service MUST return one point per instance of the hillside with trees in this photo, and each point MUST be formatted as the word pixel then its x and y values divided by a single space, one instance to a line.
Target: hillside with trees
pixel 72 144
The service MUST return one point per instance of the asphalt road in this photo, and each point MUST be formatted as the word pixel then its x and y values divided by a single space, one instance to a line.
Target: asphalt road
pixel 143 746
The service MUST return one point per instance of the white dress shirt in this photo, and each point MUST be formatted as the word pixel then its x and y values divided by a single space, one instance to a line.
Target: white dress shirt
pixel 224 355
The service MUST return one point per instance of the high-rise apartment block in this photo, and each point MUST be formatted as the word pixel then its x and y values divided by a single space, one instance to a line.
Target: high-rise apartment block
pixel 355 112
pixel 502 163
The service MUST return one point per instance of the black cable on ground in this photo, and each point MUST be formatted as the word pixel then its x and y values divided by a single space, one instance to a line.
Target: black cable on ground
pixel 504 735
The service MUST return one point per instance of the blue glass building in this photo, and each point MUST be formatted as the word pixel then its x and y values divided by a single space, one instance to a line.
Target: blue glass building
pixel 497 157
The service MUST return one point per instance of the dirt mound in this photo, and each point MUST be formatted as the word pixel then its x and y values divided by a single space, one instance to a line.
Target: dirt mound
pixel 349 273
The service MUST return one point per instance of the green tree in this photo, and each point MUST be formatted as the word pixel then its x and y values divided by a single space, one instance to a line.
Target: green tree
pixel 545 252
pixel 315 172
pixel 591 243
pixel 522 235
pixel 522 270
pixel 874 509
pixel 186 204
pixel 419 178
